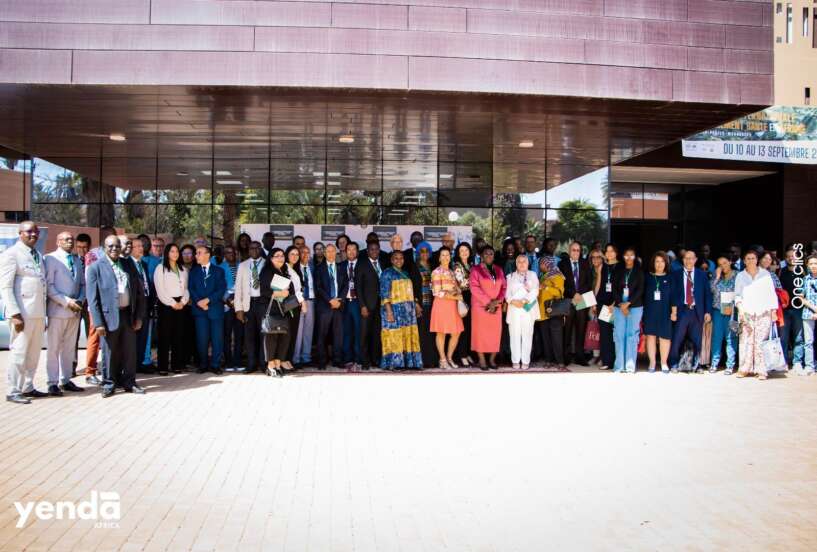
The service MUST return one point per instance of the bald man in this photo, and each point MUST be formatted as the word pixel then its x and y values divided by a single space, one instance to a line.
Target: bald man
pixel 23 290
pixel 65 279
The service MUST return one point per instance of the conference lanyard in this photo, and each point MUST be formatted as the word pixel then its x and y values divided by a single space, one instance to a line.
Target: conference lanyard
pixel 626 292
pixel 657 293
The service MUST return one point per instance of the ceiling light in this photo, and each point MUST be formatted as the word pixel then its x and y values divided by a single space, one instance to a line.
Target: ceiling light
pixel 446 176
pixel 333 183
pixel 334 174
pixel 346 139
pixel 117 137
pixel 230 182
pixel 317 173
pixel 206 173
pixel 182 173
pixel 224 173
pixel 526 144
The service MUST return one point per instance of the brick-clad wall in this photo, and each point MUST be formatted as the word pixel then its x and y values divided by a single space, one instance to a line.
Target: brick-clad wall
pixel 671 50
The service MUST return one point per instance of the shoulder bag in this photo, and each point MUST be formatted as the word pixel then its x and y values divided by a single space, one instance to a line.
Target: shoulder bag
pixel 274 323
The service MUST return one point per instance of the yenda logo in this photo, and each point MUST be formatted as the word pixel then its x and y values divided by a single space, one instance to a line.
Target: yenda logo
pixel 102 506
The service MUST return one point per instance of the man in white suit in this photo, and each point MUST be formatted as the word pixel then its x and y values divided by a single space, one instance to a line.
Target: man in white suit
pixel 23 290
pixel 249 309
pixel 65 278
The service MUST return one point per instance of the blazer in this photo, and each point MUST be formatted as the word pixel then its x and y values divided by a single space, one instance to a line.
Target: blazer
pixel 162 281
pixel 322 286
pixel 212 288
pixel 585 277
pixel 62 285
pixel 103 294
pixel 23 286
pixel 367 283
pixel 408 260
pixel 243 283
pixel 145 278
pixel 344 266
pixel 701 290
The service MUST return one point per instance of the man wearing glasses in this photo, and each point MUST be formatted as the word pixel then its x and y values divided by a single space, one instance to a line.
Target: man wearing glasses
pixel 117 305
pixel 23 289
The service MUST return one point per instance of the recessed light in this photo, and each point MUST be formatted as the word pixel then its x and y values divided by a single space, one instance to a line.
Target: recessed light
pixel 346 139
pixel 333 183
pixel 206 173
pixel 182 173
pixel 224 173
pixel 446 176
pixel 333 174
pixel 117 137
pixel 316 173
pixel 230 182
pixel 526 144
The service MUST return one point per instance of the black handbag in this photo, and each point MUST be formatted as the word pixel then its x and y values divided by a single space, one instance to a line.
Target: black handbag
pixel 274 323
pixel 557 307
pixel 290 303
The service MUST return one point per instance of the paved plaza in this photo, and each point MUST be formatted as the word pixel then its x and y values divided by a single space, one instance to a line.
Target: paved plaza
pixel 501 462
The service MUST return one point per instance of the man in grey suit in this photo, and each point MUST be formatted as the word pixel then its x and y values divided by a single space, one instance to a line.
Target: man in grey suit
pixel 23 289
pixel 117 307
pixel 66 293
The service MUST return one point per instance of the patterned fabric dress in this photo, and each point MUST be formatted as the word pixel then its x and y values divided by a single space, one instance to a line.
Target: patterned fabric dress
pixel 400 339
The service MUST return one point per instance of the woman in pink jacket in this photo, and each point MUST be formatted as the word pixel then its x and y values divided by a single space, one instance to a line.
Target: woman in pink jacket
pixel 487 283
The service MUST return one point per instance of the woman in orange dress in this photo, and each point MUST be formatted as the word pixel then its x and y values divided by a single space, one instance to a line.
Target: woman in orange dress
pixel 487 282
pixel 445 316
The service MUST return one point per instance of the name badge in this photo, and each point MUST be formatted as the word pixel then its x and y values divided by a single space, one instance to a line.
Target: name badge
pixel 657 295
pixel 608 287
pixel 626 293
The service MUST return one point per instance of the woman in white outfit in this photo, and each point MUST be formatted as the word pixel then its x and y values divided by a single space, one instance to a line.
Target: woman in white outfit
pixel 756 301
pixel 523 310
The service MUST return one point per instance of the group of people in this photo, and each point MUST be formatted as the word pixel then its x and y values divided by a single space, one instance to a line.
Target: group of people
pixel 254 306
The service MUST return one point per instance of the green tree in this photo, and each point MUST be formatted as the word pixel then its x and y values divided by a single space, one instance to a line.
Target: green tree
pixel 577 220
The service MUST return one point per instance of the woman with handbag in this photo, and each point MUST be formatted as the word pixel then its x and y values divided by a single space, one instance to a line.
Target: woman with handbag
pixel 657 322
pixel 462 272
pixel 553 308
pixel 276 323
pixel 723 315
pixel 756 302
pixel 487 283
pixel 628 291
pixel 521 294
pixel 445 317
pixel 421 279
pixel 604 298
pixel 293 257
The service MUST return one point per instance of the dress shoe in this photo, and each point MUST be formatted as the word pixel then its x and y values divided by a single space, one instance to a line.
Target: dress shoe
pixel 93 380
pixel 365 367
pixel 163 372
pixel 34 394
pixel 322 367
pixel 147 369
pixel 217 371
pixel 107 392
pixel 136 390
pixel 54 391
pixel 200 370
pixel 19 399
pixel 71 386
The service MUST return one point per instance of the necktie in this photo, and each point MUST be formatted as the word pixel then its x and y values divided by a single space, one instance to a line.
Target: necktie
pixel 576 275
pixel 255 282
pixel 306 281
pixel 352 292
pixel 71 266
pixel 332 289
pixel 143 277
pixel 36 256
pixel 377 268
pixel 689 290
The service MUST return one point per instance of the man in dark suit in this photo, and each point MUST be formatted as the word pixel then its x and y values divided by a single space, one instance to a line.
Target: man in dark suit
pixel 578 280
pixel 385 261
pixel 208 286
pixel 367 284
pixel 117 305
pixel 331 288
pixel 410 254
pixel 691 304
pixel 351 310
pixel 140 266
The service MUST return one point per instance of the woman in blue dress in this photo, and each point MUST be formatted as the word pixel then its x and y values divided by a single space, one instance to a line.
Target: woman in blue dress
pixel 398 314
pixel 657 323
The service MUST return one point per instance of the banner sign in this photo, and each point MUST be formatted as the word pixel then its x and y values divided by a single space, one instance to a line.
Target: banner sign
pixel 778 134
pixel 328 233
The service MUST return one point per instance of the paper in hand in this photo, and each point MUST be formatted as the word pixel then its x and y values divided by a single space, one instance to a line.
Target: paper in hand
pixel 279 283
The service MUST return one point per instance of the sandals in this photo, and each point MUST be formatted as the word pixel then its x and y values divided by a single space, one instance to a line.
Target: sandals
pixel 444 365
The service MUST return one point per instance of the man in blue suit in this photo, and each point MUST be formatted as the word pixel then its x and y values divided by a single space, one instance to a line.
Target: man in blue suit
pixel 691 304
pixel 207 285
pixel 331 289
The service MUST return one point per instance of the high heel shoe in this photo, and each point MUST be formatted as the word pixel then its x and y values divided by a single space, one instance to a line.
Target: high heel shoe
pixel 483 367
pixel 465 362
pixel 444 365
pixel 452 363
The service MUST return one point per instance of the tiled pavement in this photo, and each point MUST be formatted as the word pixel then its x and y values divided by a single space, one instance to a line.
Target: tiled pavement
pixel 489 462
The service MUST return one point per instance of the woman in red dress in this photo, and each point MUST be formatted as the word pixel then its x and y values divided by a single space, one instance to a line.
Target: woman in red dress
pixel 487 283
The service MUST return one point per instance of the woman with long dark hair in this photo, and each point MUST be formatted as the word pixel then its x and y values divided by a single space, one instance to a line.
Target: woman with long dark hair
pixel 657 308
pixel 293 259
pixel 604 297
pixel 275 345
pixel 170 281
pixel 242 246
pixel 628 291
pixel 463 263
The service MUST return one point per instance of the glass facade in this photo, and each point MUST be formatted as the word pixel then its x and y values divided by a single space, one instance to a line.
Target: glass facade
pixel 184 198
